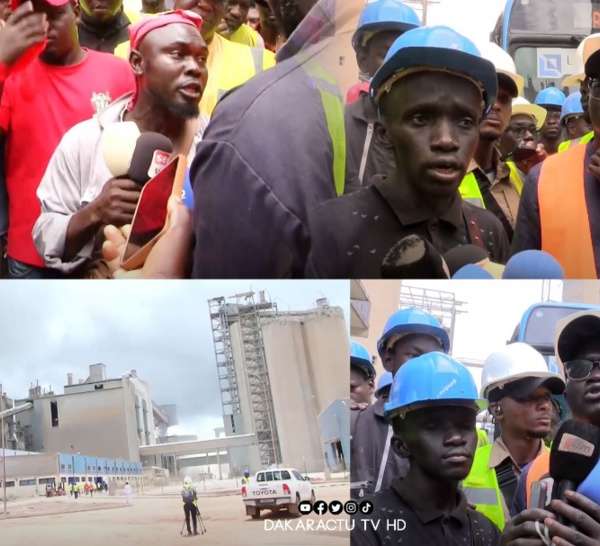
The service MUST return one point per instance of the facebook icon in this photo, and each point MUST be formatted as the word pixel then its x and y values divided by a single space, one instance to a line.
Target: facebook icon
pixel 320 507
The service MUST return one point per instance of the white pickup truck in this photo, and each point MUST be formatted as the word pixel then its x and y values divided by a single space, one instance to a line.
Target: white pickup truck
pixel 275 490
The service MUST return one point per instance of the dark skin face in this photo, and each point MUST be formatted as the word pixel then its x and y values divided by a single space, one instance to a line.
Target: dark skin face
pixel 370 57
pixel 211 11
pixel 584 89
pixel 551 129
pixel 432 119
pixel 439 441
pixel 496 122
pixel 384 394
pixel 170 66
pixel 4 10
pixel 577 127
pixel 101 11
pixel 585 405
pixel 153 6
pixel 267 19
pixel 289 13
pixel 236 14
pixel 361 387
pixel 253 17
pixel 63 42
pixel 409 347
pixel 521 133
pixel 528 417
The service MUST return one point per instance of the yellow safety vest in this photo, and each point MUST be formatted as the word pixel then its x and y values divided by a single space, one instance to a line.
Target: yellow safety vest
pixel 469 188
pixel 246 35
pixel 481 488
pixel 568 143
pixel 482 438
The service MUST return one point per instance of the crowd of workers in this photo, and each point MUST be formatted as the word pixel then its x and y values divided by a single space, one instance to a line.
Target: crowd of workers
pixel 398 130
pixel 417 453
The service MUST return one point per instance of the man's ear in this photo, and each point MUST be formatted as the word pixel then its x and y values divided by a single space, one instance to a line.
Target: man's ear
pixel 136 62
pixel 77 13
pixel 361 59
pixel 400 447
pixel 383 136
pixel 371 386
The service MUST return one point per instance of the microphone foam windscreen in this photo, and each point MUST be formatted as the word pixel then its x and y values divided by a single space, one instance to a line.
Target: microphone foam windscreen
pixel 143 155
pixel 590 487
pixel 471 272
pixel 533 264
pixel 118 142
pixel 575 451
pixel 460 256
pixel 413 258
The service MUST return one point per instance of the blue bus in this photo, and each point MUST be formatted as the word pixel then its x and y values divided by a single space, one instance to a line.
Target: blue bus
pixel 542 37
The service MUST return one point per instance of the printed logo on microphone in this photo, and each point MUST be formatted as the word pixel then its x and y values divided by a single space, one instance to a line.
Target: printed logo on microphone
pixel 573 444
pixel 159 162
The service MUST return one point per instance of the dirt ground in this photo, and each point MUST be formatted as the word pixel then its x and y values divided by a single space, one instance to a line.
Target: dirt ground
pixel 157 520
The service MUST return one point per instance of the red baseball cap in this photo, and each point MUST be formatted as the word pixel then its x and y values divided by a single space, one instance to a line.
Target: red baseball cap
pixel 14 4
pixel 139 30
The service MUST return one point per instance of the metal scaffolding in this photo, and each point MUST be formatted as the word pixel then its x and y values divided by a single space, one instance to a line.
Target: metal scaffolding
pixel 422 7
pixel 442 305
pixel 249 313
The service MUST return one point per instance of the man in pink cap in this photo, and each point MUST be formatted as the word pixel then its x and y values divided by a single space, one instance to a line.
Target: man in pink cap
pixel 51 83
pixel 78 194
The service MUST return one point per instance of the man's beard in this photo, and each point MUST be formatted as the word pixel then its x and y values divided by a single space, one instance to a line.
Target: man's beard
pixel 182 110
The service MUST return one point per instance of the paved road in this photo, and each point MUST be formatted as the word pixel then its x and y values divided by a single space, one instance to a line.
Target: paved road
pixel 158 521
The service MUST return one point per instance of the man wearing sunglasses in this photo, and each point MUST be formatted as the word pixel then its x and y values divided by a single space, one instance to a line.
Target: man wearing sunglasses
pixel 577 347
pixel 559 205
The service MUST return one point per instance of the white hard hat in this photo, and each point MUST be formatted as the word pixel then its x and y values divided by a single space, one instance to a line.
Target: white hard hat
pixel 512 362
pixel 187 480
pixel 523 106
pixel 588 46
pixel 503 63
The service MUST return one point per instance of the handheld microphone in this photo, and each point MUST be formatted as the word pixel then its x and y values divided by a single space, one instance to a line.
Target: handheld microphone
pixel 533 264
pixel 471 272
pixel 413 258
pixel 459 256
pixel 590 487
pixel 574 454
pixel 137 156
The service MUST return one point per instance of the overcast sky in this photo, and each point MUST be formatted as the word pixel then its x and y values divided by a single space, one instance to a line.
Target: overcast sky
pixel 492 311
pixel 473 18
pixel 160 329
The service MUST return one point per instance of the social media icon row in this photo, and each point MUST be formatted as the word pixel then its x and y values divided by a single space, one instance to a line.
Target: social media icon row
pixel 335 507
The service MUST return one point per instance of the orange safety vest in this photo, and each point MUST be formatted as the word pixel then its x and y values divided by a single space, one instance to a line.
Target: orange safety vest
pixel 565 226
pixel 540 469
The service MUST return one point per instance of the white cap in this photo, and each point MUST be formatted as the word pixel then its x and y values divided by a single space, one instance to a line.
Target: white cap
pixel 503 63
pixel 187 480
pixel 513 362
pixel 589 45
pixel 523 106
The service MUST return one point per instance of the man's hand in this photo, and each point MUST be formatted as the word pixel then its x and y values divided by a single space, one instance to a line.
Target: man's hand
pixel 170 257
pixel 521 531
pixel 594 167
pixel 117 202
pixel 24 29
pixel 583 513
pixel 223 29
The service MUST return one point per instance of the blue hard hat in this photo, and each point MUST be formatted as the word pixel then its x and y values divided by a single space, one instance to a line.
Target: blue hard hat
pixel 360 357
pixel 550 97
pixel 433 378
pixel 571 107
pixel 384 381
pixel 437 47
pixel 413 321
pixel 385 15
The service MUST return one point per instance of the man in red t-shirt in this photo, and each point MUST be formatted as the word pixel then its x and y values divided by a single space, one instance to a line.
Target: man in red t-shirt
pixel 41 101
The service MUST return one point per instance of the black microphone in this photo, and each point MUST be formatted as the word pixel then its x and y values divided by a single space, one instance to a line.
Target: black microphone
pixel 460 256
pixel 413 258
pixel 150 156
pixel 574 454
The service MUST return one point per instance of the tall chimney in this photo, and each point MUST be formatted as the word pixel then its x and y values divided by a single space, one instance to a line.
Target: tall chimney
pixel 69 379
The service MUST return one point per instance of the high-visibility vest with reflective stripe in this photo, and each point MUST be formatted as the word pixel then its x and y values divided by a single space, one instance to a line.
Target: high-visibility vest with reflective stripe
pixel 333 106
pixel 564 222
pixel 470 192
pixel 481 488
pixel 539 470
pixel 568 143
pixel 482 438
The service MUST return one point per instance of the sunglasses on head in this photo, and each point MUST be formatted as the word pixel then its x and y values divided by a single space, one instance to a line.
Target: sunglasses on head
pixel 580 369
